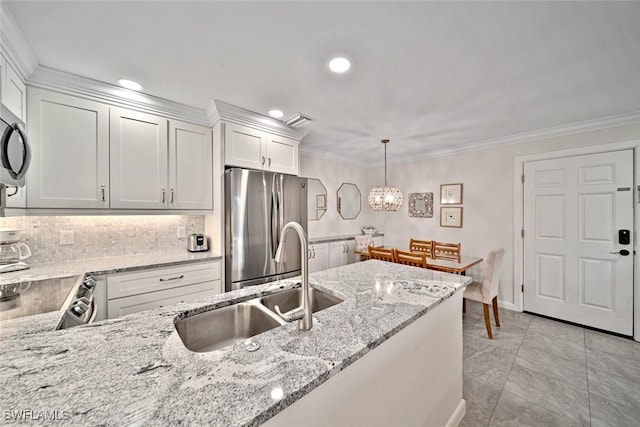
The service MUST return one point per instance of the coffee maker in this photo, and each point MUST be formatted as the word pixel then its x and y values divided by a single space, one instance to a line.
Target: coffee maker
pixel 12 251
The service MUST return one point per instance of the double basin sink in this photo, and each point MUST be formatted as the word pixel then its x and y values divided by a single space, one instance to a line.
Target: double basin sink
pixel 225 326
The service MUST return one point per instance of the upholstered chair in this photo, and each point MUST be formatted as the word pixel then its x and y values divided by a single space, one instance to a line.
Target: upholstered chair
pixel 486 291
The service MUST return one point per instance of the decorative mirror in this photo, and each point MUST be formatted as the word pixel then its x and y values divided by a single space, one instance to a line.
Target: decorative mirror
pixel 348 201
pixel 421 205
pixel 316 199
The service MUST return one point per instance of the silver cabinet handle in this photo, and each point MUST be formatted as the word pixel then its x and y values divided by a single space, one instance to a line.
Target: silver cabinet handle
pixel 171 200
pixel 309 253
pixel 314 253
pixel 163 195
pixel 102 192
pixel 269 161
pixel 173 278
pixel 263 160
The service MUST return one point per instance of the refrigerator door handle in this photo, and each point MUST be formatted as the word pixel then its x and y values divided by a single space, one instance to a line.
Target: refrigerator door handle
pixel 275 232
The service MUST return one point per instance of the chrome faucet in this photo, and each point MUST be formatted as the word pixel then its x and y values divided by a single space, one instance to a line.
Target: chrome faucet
pixel 303 313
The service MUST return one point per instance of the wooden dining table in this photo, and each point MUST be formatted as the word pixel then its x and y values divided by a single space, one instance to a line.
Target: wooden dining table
pixel 446 265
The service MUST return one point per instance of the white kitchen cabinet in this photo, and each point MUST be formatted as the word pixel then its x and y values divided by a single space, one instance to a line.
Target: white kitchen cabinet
pixel 70 151
pixel 251 148
pixel 341 253
pixel 318 257
pixel 13 92
pixel 152 288
pixel 190 166
pixel 139 159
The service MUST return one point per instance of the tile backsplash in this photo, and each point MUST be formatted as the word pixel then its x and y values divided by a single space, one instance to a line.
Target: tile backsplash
pixel 100 236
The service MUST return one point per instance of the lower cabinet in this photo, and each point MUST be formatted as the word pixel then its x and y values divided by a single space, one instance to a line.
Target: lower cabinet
pixel 341 253
pixel 129 293
pixel 318 257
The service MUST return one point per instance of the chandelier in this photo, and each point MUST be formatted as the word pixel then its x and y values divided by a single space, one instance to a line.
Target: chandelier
pixel 385 198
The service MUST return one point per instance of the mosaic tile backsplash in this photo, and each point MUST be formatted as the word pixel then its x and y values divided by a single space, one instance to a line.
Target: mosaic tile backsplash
pixel 100 236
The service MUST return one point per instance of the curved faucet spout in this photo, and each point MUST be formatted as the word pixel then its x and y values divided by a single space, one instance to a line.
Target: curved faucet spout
pixel 303 312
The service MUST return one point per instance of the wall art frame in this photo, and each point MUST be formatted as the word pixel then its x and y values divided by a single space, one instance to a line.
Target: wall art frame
pixel 451 194
pixel 421 205
pixel 451 216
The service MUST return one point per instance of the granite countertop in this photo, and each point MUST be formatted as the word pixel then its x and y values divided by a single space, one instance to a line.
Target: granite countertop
pixel 106 265
pixel 135 369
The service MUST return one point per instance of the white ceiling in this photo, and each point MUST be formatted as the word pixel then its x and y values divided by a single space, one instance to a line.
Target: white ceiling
pixel 431 76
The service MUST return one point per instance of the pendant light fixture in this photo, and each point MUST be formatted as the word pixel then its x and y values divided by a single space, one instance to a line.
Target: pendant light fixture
pixel 385 198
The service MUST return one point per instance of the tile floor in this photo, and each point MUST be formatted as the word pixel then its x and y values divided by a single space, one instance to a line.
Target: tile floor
pixel 539 372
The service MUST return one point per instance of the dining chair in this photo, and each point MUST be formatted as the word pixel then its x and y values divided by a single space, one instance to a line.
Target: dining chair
pixel 425 246
pixel 486 291
pixel 443 250
pixel 383 254
pixel 416 259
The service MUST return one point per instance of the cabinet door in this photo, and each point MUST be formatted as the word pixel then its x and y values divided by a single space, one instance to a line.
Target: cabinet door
pixel 190 166
pixel 244 146
pixel 318 257
pixel 351 249
pixel 337 254
pixel 70 151
pixel 139 165
pixel 14 93
pixel 282 154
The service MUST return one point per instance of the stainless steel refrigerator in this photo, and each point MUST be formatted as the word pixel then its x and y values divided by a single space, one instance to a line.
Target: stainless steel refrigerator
pixel 257 206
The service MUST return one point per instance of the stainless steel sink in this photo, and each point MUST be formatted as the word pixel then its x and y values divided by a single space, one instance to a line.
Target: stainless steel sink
pixel 224 326
pixel 290 299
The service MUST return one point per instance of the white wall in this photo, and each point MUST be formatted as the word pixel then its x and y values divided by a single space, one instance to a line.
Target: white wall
pixel 488 197
pixel 333 173
pixel 488 201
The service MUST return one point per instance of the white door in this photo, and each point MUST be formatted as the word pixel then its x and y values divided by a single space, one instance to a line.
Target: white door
pixel 139 163
pixel 190 166
pixel 574 208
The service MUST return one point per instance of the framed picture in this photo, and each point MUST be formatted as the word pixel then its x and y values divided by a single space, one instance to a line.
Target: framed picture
pixel 421 205
pixel 451 216
pixel 451 194
pixel 321 201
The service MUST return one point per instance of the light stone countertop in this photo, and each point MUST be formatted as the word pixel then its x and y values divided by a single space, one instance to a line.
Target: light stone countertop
pixel 106 265
pixel 135 369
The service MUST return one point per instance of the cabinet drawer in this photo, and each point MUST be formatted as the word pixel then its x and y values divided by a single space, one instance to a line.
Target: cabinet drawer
pixel 150 301
pixel 122 285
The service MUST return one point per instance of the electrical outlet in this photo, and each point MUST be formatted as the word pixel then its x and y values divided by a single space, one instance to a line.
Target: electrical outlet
pixel 66 237
pixel 182 232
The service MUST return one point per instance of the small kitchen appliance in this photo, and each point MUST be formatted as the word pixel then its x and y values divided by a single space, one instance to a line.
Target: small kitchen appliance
pixel 15 154
pixel 12 251
pixel 197 243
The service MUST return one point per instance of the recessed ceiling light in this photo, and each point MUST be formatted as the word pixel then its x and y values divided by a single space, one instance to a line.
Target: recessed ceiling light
pixel 339 65
pixel 276 114
pixel 130 84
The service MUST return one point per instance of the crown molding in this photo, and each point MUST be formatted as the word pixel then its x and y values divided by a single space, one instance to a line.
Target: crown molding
pixel 220 110
pixel 14 46
pixel 48 78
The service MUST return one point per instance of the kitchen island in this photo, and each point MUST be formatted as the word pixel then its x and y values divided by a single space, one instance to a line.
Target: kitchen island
pixel 136 370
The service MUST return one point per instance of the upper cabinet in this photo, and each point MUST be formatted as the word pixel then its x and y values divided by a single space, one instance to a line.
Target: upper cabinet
pixel 12 90
pixel 139 160
pixel 190 166
pixel 86 154
pixel 256 149
pixel 70 151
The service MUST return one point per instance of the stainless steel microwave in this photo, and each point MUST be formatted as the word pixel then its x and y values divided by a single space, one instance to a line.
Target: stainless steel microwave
pixel 15 152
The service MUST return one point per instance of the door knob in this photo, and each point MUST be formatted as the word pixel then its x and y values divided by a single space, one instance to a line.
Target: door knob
pixel 622 252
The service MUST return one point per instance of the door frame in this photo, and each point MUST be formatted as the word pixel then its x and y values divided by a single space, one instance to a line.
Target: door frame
pixel 518 216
